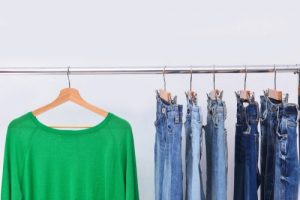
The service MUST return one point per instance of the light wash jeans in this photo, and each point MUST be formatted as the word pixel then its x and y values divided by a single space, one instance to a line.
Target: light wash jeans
pixel 193 131
pixel 167 151
pixel 216 150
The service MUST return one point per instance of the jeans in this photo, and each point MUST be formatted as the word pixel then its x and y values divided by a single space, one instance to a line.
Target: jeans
pixel 193 131
pixel 246 173
pixel 167 151
pixel 216 150
pixel 279 158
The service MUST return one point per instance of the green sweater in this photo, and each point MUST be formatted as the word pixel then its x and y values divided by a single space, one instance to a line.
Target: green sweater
pixel 44 163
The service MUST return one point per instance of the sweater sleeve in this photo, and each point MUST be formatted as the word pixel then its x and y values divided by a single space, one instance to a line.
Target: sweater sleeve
pixel 132 192
pixel 11 174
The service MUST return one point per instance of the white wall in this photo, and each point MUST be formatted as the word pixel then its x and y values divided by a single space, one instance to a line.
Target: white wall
pixel 119 33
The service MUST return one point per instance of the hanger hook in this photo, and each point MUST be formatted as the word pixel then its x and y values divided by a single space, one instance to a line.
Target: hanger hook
pixel 214 77
pixel 68 72
pixel 164 72
pixel 191 78
pixel 245 80
pixel 275 76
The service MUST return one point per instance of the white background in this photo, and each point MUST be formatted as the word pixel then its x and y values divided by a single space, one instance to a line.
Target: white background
pixel 134 33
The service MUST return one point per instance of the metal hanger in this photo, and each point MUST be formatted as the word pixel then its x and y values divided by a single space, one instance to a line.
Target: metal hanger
pixel 245 94
pixel 68 72
pixel 191 94
pixel 69 94
pixel 215 93
pixel 274 93
pixel 163 93
pixel 191 79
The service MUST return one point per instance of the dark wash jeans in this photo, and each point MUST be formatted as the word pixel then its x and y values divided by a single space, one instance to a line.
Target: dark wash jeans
pixel 246 173
pixel 167 151
pixel 279 158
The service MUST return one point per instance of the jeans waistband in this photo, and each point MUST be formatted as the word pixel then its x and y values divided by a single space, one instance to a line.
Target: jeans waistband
pixel 277 109
pixel 248 114
pixel 216 106
pixel 191 104
pixel 164 108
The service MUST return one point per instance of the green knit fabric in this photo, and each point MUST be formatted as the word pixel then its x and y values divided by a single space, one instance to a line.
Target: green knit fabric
pixel 45 163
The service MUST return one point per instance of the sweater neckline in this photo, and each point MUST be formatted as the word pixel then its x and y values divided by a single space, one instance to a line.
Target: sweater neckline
pixel 47 128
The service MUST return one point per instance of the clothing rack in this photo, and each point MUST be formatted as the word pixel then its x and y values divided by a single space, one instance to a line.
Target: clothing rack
pixel 149 70
pixel 295 68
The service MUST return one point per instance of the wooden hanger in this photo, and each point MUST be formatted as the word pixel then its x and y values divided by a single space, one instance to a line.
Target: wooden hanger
pixel 214 94
pixel 163 93
pixel 273 93
pixel 69 94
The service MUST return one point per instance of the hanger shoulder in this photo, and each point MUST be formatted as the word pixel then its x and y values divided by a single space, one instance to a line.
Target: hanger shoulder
pixel 275 94
pixel 165 95
pixel 70 94
pixel 191 94
pixel 56 102
pixel 91 107
pixel 214 94
pixel 245 94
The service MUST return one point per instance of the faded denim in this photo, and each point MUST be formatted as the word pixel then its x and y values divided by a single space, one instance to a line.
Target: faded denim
pixel 216 150
pixel 167 150
pixel 193 131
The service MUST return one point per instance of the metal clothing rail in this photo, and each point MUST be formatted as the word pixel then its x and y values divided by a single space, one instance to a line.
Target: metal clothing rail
pixel 158 70
pixel 149 70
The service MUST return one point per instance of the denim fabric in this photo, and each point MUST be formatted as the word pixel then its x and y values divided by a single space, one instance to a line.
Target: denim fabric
pixel 216 150
pixel 267 147
pixel 279 160
pixel 286 157
pixel 167 150
pixel 193 131
pixel 246 173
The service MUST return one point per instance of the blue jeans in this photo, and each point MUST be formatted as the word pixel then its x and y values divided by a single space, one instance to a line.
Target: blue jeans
pixel 267 156
pixel 286 157
pixel 193 131
pixel 216 150
pixel 167 150
pixel 246 173
pixel 279 159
